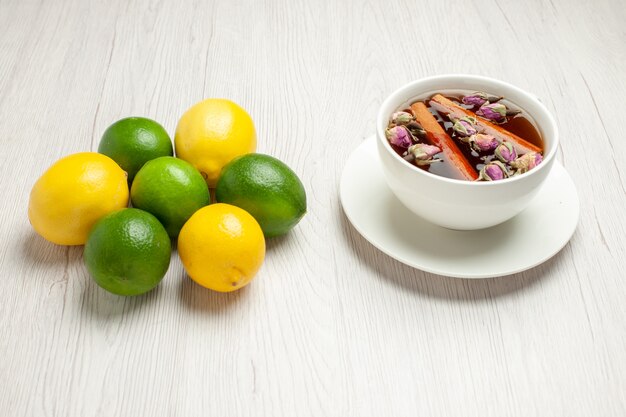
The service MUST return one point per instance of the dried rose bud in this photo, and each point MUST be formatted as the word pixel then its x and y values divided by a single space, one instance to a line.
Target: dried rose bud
pixel 492 111
pixel 399 136
pixel 464 126
pixel 479 98
pixel 484 143
pixel 481 142
pixel 526 162
pixel 423 153
pixel 505 152
pixel 493 171
pixel 401 118
pixel 475 99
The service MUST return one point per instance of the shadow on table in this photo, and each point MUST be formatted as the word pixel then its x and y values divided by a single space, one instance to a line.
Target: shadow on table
pixel 101 304
pixel 38 250
pixel 274 243
pixel 438 286
pixel 194 297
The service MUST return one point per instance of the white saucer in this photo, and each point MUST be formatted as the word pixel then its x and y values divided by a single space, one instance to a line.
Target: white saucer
pixel 527 240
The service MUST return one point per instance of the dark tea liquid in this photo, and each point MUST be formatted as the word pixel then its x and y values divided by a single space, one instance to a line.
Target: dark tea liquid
pixel 520 125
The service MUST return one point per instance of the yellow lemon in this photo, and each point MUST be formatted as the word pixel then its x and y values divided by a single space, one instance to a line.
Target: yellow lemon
pixel 211 133
pixel 222 247
pixel 73 194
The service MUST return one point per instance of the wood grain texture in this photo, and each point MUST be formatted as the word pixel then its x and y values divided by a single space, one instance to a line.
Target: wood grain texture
pixel 331 326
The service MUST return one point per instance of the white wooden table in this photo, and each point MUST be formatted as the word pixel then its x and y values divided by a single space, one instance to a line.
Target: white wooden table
pixel 331 326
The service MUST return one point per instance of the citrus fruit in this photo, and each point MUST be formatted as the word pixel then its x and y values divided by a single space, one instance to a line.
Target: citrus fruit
pixel 266 188
pixel 133 141
pixel 221 247
pixel 73 194
pixel 128 252
pixel 211 133
pixel 171 189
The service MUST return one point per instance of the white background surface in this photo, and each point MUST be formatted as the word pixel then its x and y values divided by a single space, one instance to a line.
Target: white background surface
pixel 331 326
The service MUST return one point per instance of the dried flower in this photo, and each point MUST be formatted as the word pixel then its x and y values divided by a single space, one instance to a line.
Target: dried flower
pixel 492 111
pixel 484 143
pixel 465 126
pixel 481 142
pixel 496 112
pixel 493 171
pixel 399 136
pixel 401 118
pixel 479 98
pixel 526 162
pixel 422 153
pixel 505 152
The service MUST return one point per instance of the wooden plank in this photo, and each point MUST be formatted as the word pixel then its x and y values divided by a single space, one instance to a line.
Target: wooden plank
pixel 331 326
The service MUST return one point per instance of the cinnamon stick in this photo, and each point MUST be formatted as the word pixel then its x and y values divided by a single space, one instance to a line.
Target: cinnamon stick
pixel 437 136
pixel 452 110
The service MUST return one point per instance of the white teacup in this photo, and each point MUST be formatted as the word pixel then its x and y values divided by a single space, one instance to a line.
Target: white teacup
pixel 458 204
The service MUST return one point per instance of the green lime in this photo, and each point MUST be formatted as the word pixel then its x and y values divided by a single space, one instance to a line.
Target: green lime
pixel 171 189
pixel 133 141
pixel 128 252
pixel 266 188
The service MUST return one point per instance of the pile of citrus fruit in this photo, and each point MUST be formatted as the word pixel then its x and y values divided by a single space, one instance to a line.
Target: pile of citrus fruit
pixel 83 199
